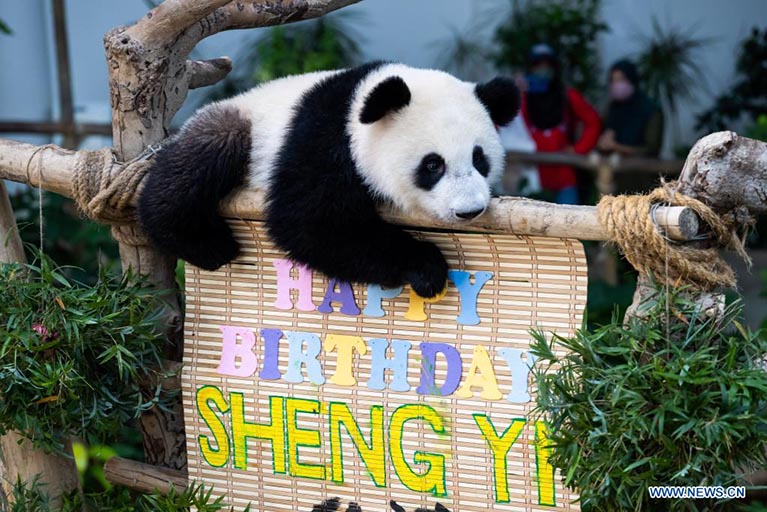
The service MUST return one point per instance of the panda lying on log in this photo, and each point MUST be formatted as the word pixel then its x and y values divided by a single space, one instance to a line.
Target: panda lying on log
pixel 328 148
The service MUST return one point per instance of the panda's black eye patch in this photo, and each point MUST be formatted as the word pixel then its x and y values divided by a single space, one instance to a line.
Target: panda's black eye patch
pixel 480 161
pixel 430 171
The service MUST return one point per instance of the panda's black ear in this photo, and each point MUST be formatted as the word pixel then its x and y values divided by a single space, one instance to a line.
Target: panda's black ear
pixel 500 97
pixel 389 96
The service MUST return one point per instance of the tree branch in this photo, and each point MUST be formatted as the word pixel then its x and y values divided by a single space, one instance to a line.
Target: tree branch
pixel 169 19
pixel 207 72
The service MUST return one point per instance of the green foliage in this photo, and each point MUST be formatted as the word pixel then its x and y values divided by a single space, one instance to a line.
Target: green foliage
pixel 758 130
pixel 655 402
pixel 33 498
pixel 571 27
pixel 81 244
pixel 316 45
pixel 72 356
pixel 668 64
pixel 27 497
pixel 4 28
pixel 747 98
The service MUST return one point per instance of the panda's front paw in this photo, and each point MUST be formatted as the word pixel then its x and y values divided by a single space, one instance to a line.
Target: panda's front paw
pixel 428 270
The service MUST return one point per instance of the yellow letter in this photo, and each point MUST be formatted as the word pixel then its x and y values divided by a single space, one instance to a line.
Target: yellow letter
pixel 274 432
pixel 415 310
pixel 345 347
pixel 372 455
pixel 433 480
pixel 298 437
pixel 500 447
pixel 482 375
pixel 215 457
pixel 544 469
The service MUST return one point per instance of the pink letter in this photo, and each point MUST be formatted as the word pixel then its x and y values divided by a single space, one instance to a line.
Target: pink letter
pixel 285 283
pixel 231 350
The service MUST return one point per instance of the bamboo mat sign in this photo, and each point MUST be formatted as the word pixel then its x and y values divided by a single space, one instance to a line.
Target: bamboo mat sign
pixel 298 388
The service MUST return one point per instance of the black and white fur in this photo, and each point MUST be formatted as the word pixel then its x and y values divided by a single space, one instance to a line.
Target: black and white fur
pixel 328 148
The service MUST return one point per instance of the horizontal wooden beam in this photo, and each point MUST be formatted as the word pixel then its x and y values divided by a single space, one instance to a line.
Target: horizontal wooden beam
pixel 594 161
pixel 52 168
pixel 142 477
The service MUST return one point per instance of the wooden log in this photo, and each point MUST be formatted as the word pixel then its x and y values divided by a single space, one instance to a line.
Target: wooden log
pixel 143 477
pixel 26 163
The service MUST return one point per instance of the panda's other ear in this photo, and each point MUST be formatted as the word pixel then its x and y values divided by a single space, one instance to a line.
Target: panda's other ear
pixel 389 96
pixel 500 97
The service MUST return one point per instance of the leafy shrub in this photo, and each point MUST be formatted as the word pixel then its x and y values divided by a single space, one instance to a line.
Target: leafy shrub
pixel 72 357
pixel 682 402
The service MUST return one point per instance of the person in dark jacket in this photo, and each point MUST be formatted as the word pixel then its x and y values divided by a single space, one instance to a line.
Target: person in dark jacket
pixel 634 123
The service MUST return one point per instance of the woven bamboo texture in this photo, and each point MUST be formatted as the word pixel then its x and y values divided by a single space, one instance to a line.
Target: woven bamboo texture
pixel 537 283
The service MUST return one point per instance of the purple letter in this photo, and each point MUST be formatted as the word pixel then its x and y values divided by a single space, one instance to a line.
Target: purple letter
pixel 429 353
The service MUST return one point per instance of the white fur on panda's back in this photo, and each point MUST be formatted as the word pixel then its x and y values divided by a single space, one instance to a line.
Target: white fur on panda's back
pixel 270 108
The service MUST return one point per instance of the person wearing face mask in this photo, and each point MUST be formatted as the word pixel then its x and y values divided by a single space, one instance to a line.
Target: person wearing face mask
pixel 634 122
pixel 554 114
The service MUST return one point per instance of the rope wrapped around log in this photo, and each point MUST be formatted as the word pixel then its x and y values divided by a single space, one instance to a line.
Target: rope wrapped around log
pixel 630 223
pixel 106 190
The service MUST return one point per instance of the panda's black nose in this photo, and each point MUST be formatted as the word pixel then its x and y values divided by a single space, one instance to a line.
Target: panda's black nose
pixel 470 214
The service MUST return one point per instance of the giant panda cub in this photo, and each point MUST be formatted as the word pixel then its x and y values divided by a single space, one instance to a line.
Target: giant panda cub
pixel 328 148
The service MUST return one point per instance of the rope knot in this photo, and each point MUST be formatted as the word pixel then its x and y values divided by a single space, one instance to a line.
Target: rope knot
pixel 631 226
pixel 105 189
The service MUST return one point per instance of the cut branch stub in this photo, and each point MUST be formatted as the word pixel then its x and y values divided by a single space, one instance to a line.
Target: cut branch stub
pixel 727 172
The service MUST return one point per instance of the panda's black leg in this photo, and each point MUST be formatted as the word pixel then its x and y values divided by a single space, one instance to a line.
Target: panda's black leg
pixel 178 206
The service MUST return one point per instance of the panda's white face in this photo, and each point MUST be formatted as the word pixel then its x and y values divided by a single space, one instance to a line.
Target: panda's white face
pixel 439 153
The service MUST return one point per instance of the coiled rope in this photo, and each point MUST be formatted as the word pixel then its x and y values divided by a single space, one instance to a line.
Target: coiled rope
pixel 631 226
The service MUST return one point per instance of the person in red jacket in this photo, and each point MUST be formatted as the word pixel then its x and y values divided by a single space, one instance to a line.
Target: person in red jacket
pixel 554 113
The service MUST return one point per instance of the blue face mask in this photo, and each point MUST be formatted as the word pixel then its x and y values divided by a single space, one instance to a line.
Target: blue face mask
pixel 538 82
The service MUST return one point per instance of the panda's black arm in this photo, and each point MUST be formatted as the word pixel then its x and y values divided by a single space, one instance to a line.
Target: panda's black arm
pixel 359 248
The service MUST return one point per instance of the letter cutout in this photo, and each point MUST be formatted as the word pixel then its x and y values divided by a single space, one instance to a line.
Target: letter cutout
pixel 231 351
pixel 298 358
pixel 468 293
pixel 375 295
pixel 270 370
pixel 397 365
pixel 481 375
pixel 285 283
pixel 520 373
pixel 429 353
pixel 415 310
pixel 344 345
pixel 344 295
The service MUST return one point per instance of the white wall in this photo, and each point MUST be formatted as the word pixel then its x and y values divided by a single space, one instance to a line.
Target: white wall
pixel 405 30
